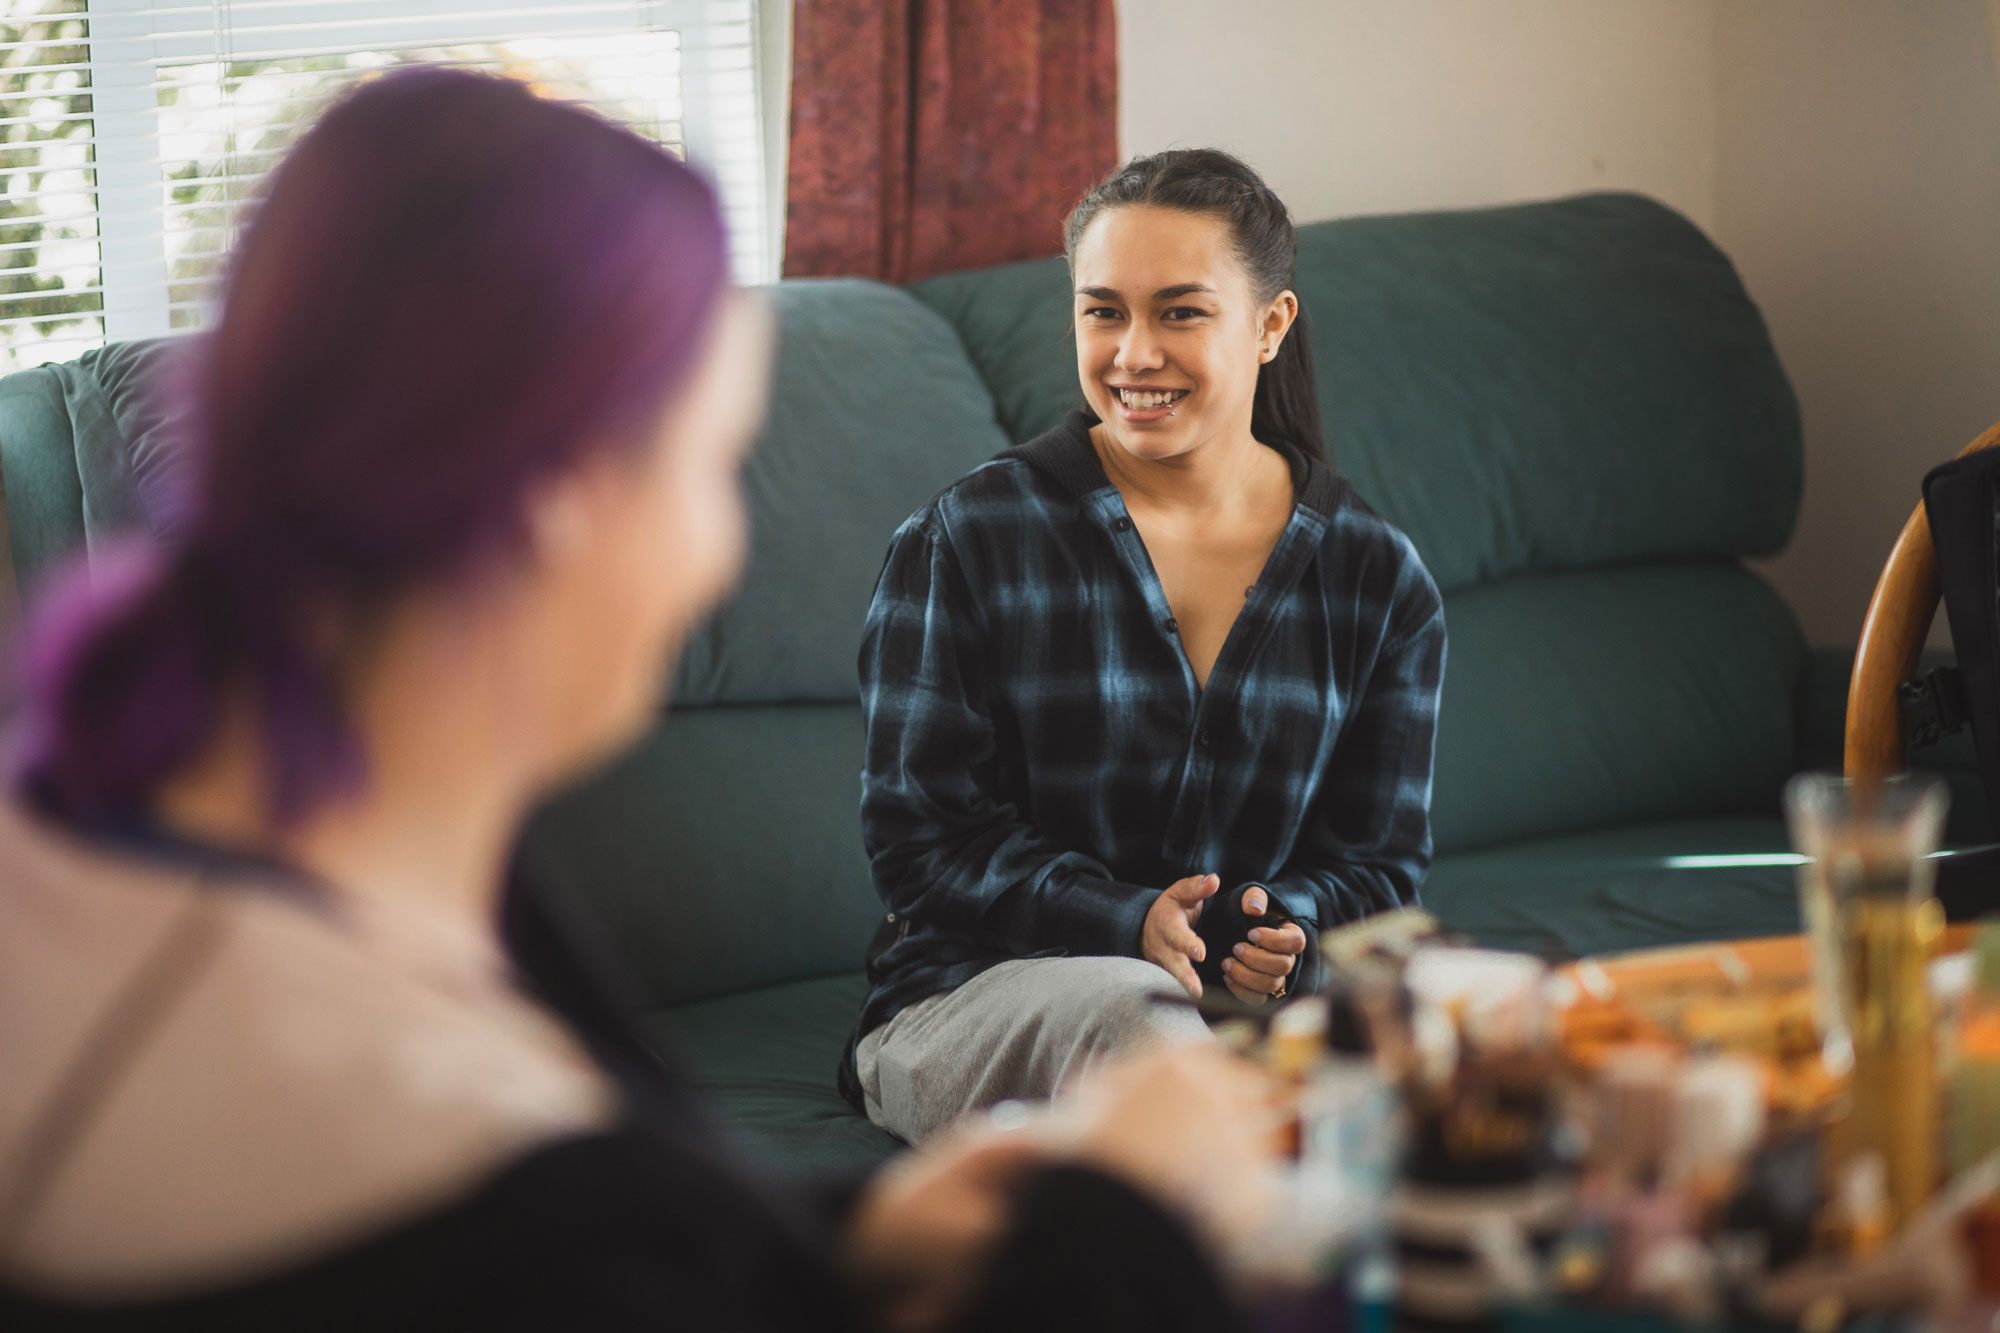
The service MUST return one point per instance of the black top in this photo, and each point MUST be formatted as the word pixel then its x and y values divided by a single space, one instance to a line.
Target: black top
pixel 628 1230
pixel 1042 763
pixel 604 1231
pixel 655 1225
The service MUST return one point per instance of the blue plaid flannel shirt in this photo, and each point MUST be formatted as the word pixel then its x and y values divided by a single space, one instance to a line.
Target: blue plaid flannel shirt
pixel 1041 763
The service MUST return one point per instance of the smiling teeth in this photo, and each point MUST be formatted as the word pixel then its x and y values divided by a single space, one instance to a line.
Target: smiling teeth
pixel 1140 401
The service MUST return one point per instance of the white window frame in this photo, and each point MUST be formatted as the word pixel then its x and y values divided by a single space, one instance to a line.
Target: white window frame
pixel 130 39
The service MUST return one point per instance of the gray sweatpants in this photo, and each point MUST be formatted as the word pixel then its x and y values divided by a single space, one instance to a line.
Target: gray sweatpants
pixel 1022 1029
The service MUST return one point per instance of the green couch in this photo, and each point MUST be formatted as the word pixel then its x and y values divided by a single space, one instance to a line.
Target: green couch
pixel 1574 410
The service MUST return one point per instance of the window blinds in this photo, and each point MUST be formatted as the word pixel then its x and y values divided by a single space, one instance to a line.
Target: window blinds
pixel 134 133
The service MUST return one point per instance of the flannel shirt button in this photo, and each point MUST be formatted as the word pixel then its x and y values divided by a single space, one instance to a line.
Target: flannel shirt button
pixel 1173 626
pixel 892 918
pixel 1121 525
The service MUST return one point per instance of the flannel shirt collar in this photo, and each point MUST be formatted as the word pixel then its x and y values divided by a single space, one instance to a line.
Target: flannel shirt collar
pixel 1066 454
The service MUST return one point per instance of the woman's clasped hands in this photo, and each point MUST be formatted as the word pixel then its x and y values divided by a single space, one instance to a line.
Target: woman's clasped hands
pixel 1259 969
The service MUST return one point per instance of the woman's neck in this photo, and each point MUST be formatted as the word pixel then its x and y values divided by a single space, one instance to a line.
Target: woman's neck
pixel 1228 474
pixel 445 785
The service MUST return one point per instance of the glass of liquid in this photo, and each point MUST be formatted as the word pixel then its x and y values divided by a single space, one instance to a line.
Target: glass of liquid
pixel 1871 923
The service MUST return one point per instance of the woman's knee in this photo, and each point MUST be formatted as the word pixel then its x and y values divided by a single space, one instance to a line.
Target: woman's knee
pixel 1136 1003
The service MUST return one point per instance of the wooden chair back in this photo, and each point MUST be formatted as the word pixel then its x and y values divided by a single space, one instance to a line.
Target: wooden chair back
pixel 1892 639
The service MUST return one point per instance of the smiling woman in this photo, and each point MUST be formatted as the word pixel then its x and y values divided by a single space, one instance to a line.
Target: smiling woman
pixel 1158 651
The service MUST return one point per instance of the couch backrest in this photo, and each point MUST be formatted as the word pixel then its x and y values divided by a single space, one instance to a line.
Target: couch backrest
pixel 1610 696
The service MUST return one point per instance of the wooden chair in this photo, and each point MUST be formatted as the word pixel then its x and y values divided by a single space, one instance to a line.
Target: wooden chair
pixel 1892 639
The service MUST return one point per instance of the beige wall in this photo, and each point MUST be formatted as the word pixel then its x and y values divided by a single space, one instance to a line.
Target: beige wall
pixel 1845 152
pixel 1368 106
pixel 1858 189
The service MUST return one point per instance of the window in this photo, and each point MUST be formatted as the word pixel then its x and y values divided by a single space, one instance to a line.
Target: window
pixel 133 132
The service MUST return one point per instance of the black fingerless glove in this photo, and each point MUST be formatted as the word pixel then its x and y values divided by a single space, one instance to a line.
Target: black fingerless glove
pixel 1224 925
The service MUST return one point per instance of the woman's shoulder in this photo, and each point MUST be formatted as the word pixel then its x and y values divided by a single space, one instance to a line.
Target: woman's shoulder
pixel 218 1081
pixel 1352 521
pixel 1361 544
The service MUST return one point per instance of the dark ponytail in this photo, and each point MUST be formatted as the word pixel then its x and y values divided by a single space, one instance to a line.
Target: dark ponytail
pixel 1213 183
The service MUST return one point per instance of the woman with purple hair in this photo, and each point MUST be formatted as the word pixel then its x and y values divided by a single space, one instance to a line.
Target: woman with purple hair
pixel 463 477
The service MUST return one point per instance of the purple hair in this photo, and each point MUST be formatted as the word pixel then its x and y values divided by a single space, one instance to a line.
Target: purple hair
pixel 453 289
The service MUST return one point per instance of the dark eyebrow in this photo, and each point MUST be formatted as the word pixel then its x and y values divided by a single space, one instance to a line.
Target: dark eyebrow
pixel 1164 294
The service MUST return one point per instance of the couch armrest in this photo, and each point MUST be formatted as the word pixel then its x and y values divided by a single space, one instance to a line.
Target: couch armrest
pixel 1822 730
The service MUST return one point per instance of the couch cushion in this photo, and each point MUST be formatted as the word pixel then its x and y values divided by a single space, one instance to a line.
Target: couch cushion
pixel 1634 887
pixel 766 1061
pixel 1534 388
pixel 724 852
pixel 1015 323
pixel 38 465
pixel 874 409
pixel 136 451
pixel 85 447
pixel 1613 696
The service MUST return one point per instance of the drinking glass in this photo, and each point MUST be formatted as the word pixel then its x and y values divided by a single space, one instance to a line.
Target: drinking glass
pixel 1870 924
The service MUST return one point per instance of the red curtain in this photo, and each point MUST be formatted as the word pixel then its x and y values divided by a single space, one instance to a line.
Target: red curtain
pixel 931 135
